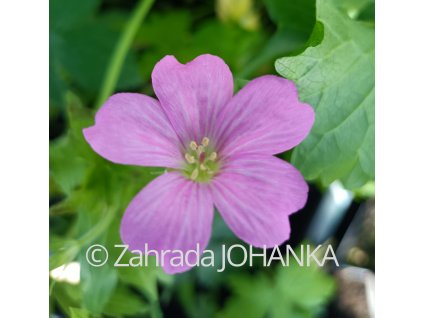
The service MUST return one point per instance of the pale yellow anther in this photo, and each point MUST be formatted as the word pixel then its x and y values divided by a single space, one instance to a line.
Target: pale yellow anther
pixel 212 156
pixel 200 149
pixel 190 159
pixel 203 167
pixel 193 145
pixel 194 174
pixel 205 141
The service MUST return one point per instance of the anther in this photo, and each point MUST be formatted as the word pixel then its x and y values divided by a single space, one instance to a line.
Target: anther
pixel 212 156
pixel 205 141
pixel 200 149
pixel 190 159
pixel 193 145
pixel 194 174
pixel 203 167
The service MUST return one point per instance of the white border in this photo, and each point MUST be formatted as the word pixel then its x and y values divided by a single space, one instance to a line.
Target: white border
pixel 399 158
pixel 24 158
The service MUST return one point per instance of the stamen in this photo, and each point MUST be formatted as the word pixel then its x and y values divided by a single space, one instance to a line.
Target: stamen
pixel 212 156
pixel 190 159
pixel 201 162
pixel 200 149
pixel 194 174
pixel 205 141
pixel 193 145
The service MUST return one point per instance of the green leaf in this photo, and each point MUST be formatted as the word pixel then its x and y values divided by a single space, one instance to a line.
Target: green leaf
pixel 196 304
pixel 79 313
pixel 294 21
pixel 336 77
pixel 84 53
pixel 65 14
pixel 294 15
pixel 66 296
pixel 293 291
pixel 80 48
pixel 125 303
pixel 252 297
pixel 68 154
pixel 233 44
pixel 143 278
pixel 62 251
pixel 98 284
pixel 158 41
pixel 358 9
pixel 100 202
pixel 302 290
pixel 66 167
pixel 228 41
pixel 365 192
pixel 57 85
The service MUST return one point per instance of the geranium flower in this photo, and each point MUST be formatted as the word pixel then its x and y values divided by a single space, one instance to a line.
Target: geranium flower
pixel 218 149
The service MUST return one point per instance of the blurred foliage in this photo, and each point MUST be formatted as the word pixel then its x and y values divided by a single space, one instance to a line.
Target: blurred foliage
pixel 89 194
pixel 239 11
pixel 292 291
pixel 95 196
pixel 81 43
pixel 230 42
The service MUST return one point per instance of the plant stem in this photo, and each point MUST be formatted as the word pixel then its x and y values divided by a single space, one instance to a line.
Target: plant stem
pixel 122 47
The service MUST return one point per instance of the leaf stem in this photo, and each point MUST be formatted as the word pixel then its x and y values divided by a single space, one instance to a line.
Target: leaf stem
pixel 122 47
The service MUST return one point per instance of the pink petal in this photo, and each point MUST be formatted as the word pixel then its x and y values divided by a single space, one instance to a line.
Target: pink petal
pixel 133 129
pixel 192 95
pixel 264 117
pixel 170 213
pixel 255 195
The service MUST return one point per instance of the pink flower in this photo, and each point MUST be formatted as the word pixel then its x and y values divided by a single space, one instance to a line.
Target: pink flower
pixel 218 149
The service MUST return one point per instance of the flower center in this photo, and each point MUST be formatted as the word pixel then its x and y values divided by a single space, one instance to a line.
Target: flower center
pixel 201 161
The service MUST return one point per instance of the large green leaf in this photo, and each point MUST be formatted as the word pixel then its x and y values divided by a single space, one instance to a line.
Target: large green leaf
pixel 336 77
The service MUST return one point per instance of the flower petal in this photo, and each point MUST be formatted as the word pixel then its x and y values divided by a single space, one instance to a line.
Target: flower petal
pixel 255 195
pixel 170 213
pixel 264 117
pixel 192 95
pixel 133 129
